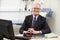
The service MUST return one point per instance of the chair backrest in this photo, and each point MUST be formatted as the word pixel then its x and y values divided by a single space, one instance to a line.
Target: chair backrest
pixel 6 29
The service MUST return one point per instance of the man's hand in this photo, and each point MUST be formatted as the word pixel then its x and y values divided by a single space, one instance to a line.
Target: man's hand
pixel 35 32
pixel 32 31
pixel 27 33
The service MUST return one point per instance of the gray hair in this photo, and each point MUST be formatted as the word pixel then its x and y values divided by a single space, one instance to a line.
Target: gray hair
pixel 35 4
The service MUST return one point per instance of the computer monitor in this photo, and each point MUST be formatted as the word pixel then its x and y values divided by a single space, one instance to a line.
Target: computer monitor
pixel 6 29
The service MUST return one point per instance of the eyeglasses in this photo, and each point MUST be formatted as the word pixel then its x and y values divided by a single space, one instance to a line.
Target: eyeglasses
pixel 36 8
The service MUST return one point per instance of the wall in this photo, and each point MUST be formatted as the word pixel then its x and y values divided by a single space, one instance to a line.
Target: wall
pixel 55 21
pixel 56 8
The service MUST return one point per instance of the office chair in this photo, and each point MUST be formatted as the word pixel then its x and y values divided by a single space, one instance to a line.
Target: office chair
pixel 6 31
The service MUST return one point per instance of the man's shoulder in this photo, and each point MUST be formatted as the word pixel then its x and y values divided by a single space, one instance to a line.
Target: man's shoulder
pixel 42 17
pixel 28 15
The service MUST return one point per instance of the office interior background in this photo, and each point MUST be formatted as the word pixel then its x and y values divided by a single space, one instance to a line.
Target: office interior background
pixel 15 10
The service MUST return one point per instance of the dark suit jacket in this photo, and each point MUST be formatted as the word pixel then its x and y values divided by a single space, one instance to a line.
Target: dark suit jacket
pixel 40 25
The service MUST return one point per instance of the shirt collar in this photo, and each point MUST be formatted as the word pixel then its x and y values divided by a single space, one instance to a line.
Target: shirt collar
pixel 36 16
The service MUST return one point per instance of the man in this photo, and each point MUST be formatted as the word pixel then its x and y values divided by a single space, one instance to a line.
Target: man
pixel 35 24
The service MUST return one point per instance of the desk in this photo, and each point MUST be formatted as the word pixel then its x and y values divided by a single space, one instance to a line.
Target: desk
pixel 46 39
pixel 50 36
pixel 41 39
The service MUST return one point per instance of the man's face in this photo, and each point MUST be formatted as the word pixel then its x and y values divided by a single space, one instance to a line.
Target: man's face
pixel 36 9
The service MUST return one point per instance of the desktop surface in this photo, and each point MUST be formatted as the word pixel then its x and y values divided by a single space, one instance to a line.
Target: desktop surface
pixel 50 36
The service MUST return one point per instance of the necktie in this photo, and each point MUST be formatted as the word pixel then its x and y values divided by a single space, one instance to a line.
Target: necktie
pixel 34 22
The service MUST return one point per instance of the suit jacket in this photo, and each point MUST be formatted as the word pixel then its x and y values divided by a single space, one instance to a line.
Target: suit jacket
pixel 41 24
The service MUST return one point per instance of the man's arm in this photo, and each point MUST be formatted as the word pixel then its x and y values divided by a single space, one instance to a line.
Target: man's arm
pixel 45 28
pixel 23 27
